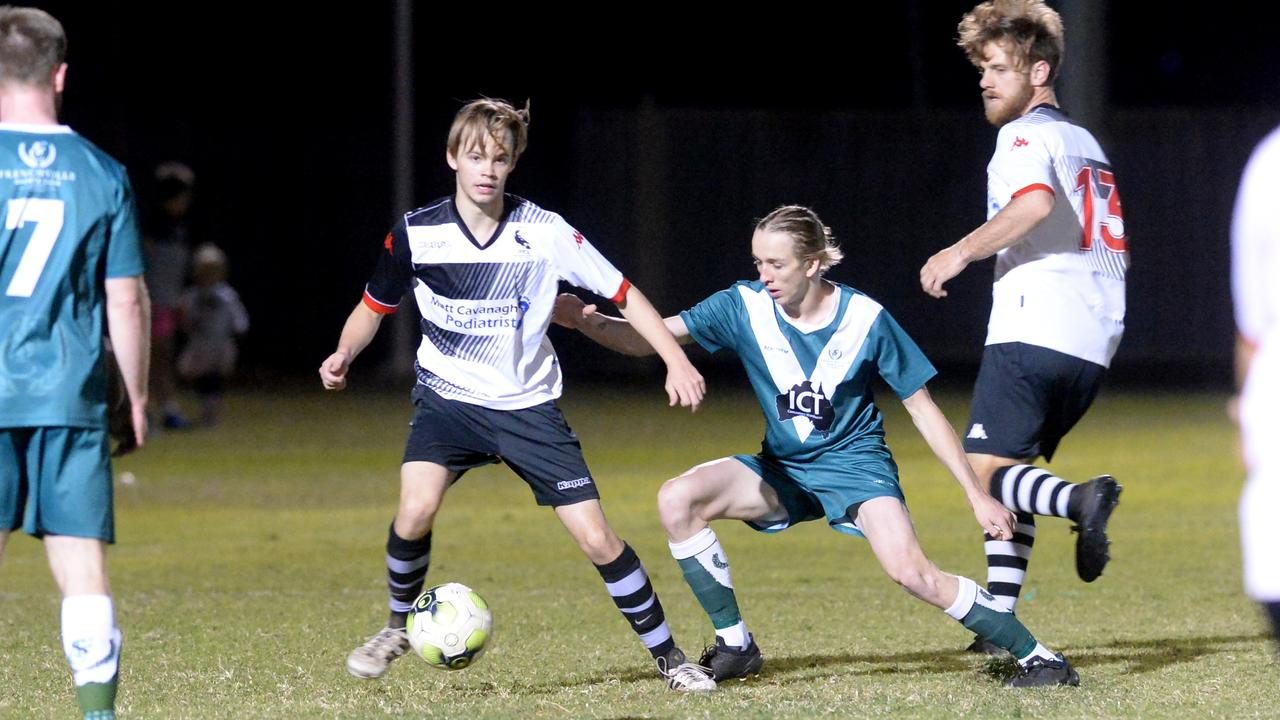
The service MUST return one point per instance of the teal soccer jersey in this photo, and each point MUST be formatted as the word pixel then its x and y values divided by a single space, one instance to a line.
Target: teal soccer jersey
pixel 69 223
pixel 814 387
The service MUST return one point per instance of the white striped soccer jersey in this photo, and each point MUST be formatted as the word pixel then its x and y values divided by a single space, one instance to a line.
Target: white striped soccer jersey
pixel 486 307
pixel 1061 286
pixel 814 386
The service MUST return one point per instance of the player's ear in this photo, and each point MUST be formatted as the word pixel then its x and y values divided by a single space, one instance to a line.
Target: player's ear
pixel 449 158
pixel 59 78
pixel 811 266
pixel 1040 73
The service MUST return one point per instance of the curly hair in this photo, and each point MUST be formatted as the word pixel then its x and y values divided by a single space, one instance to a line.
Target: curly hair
pixel 1029 30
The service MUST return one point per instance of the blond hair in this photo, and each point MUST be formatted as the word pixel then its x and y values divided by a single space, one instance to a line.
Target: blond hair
pixel 493 117
pixel 813 239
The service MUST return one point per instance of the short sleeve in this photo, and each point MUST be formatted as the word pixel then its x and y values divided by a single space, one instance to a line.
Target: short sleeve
pixel 579 263
pixel 124 243
pixel 714 322
pixel 901 362
pixel 1022 160
pixel 393 276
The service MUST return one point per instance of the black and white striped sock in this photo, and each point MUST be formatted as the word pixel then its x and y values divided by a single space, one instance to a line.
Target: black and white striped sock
pixel 1007 561
pixel 1029 489
pixel 629 586
pixel 407 562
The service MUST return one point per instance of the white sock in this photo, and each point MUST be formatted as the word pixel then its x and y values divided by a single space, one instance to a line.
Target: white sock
pixel 90 638
pixel 1040 652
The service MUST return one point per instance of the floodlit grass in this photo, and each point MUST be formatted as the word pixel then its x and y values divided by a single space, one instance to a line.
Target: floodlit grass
pixel 250 563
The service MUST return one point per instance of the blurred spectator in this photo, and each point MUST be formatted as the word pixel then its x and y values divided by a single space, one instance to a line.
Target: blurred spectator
pixel 168 252
pixel 212 316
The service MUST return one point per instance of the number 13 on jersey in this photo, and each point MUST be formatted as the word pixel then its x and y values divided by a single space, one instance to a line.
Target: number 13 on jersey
pixel 1107 226
pixel 47 215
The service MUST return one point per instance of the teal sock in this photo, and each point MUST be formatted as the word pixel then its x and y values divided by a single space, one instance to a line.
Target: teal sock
pixel 97 700
pixel 706 569
pixel 977 610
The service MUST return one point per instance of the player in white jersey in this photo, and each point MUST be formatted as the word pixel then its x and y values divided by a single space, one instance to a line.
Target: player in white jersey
pixel 484 268
pixel 1055 224
pixel 1255 265
pixel 811 349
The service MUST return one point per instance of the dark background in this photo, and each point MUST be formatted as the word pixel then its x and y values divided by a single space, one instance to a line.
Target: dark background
pixel 662 134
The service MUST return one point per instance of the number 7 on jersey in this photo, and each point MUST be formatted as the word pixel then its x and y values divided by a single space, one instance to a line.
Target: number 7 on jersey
pixel 47 215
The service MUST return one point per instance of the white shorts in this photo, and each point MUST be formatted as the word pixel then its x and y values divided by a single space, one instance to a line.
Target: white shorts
pixel 1260 536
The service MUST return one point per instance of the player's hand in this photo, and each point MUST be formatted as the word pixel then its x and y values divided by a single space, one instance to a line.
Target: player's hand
pixel 570 310
pixel 685 386
pixel 333 371
pixel 138 416
pixel 996 520
pixel 939 269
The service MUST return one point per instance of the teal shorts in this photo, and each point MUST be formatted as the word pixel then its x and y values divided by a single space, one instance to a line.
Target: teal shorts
pixel 56 481
pixel 833 486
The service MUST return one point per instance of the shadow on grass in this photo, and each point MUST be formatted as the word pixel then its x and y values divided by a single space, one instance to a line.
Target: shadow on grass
pixel 1144 656
pixel 1141 656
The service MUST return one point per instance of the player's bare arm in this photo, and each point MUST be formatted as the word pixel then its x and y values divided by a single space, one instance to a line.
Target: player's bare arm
pixel 129 324
pixel 361 327
pixel 995 519
pixel 1009 226
pixel 684 384
pixel 613 333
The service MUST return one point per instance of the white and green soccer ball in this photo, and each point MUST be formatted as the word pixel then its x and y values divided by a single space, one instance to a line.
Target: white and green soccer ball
pixel 449 626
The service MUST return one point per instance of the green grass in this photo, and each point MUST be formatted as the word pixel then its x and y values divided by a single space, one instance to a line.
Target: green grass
pixel 250 562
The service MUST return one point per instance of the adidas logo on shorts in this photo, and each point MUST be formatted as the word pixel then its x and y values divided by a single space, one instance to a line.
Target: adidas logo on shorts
pixel 977 432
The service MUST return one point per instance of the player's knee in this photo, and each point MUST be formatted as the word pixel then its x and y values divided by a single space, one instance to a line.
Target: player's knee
pixel 676 503
pixel 600 544
pixel 417 513
pixel 916 578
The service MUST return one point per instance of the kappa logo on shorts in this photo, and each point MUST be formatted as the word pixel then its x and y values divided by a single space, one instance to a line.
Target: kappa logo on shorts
pixel 572 484
pixel 977 432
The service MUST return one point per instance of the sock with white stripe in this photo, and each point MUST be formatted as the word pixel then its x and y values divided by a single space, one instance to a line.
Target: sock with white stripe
pixel 1029 489
pixel 407 562
pixel 976 609
pixel 91 642
pixel 628 584
pixel 1007 561
pixel 706 569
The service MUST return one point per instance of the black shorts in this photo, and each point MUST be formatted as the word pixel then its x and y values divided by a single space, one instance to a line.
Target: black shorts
pixel 1027 398
pixel 535 442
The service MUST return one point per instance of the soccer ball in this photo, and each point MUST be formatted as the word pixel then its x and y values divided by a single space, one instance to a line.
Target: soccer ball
pixel 449 626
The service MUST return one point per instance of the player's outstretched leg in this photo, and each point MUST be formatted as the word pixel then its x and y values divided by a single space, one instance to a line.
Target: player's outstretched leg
pixel 422 487
pixel 705 565
pixel 1029 489
pixel 888 529
pixel 628 584
pixel 727 488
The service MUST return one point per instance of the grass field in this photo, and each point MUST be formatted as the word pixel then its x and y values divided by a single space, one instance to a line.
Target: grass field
pixel 250 563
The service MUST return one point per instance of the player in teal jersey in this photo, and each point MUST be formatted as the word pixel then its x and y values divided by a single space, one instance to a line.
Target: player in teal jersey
pixel 68 248
pixel 811 348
